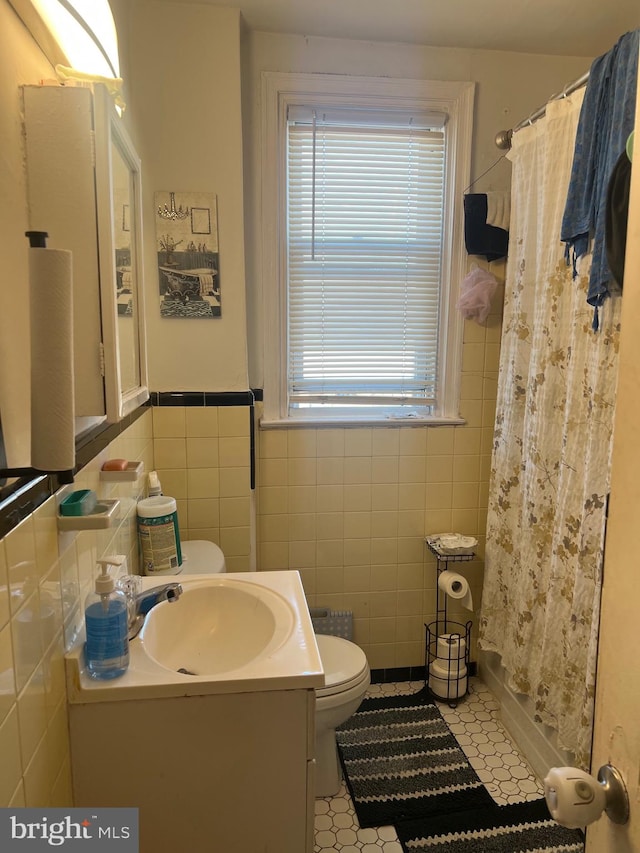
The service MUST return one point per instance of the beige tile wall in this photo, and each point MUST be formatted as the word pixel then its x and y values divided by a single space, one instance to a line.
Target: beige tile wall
pixel 349 508
pixel 203 460
pixel 44 578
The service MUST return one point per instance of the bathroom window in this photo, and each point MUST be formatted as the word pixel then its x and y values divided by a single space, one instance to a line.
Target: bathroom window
pixel 367 249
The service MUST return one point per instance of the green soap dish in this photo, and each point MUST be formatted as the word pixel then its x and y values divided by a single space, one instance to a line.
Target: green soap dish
pixel 103 515
pixel 82 502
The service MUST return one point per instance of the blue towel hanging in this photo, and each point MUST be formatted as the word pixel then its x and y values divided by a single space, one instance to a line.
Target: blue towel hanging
pixel 606 120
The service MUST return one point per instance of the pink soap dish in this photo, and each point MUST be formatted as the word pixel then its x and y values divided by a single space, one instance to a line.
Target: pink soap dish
pixel 128 474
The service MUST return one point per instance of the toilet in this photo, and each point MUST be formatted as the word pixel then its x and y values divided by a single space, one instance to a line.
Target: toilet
pixel 200 557
pixel 346 671
pixel 347 678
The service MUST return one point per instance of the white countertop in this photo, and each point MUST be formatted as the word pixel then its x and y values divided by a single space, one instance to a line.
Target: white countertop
pixel 295 664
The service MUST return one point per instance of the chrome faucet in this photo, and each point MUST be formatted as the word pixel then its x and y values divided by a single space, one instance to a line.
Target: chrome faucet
pixel 150 597
pixel 144 601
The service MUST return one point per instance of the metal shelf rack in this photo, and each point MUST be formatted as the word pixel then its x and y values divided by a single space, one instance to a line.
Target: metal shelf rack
pixel 449 681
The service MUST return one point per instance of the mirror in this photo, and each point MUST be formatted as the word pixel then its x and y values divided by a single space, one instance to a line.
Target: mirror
pixel 126 284
pixel 120 246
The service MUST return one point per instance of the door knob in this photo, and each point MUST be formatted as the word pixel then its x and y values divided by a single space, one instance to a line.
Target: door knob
pixel 576 799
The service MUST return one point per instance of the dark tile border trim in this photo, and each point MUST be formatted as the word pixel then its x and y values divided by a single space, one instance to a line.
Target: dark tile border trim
pixel 206 398
pixel 22 498
pixel 399 673
pixel 252 447
pixel 94 441
pixel 408 673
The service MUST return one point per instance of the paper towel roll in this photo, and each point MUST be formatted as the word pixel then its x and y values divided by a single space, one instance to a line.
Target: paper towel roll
pixel 456 587
pixel 52 396
pixel 451 646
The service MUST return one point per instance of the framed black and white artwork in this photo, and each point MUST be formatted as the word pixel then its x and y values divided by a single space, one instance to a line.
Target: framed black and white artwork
pixel 188 256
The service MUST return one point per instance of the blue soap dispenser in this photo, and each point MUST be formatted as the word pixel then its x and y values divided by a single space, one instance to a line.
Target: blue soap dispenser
pixel 107 627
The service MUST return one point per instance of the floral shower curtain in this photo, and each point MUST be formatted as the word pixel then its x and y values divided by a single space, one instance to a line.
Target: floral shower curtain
pixel 551 452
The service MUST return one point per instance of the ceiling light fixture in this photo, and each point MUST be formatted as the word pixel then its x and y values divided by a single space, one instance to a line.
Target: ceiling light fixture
pixel 80 34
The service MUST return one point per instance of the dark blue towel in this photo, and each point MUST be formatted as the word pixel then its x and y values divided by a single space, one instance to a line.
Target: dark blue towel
pixel 606 120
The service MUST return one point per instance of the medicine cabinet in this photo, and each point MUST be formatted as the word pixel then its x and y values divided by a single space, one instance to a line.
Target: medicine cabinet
pixel 83 178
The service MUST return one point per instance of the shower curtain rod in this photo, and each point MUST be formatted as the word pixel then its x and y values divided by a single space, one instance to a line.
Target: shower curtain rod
pixel 503 137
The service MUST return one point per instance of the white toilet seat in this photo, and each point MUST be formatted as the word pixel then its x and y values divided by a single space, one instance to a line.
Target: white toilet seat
pixel 335 703
pixel 345 665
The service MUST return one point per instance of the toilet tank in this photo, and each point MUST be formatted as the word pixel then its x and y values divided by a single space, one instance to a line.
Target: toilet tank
pixel 200 557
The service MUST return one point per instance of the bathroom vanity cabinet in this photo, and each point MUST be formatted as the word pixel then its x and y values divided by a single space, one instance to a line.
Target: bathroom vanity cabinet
pixel 223 773
pixel 216 762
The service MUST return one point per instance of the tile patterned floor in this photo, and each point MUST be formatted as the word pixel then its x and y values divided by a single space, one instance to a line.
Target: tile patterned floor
pixel 475 723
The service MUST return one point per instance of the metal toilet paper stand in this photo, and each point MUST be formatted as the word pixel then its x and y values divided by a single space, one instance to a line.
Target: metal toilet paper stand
pixel 447 677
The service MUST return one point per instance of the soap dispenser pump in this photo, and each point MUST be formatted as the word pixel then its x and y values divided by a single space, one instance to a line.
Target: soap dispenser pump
pixel 107 627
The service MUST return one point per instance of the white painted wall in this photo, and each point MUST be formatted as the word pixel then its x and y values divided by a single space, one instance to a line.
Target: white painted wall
pixel 185 79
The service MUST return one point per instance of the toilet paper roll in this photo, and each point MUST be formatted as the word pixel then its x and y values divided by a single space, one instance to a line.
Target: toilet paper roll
pixel 52 394
pixel 448 689
pixel 456 587
pixel 447 669
pixel 451 646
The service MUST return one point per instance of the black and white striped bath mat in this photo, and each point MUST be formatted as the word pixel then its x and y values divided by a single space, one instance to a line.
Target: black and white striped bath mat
pixel 518 828
pixel 404 767
pixel 401 762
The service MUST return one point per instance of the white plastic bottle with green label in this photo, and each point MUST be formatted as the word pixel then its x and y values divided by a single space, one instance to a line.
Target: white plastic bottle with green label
pixel 107 628
pixel 158 535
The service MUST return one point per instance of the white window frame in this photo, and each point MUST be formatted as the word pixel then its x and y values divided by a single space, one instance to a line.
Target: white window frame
pixel 281 90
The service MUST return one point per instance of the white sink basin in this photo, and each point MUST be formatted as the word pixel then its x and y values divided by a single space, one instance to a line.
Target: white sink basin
pixel 233 633
pixel 216 627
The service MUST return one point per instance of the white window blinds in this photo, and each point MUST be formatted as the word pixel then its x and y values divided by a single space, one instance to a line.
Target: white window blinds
pixel 365 221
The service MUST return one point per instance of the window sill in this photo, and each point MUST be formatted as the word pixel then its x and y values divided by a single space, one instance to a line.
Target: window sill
pixel 361 423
